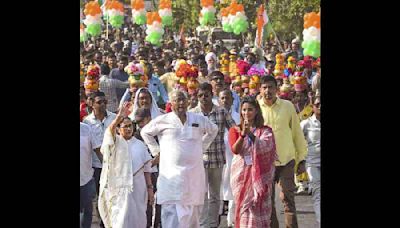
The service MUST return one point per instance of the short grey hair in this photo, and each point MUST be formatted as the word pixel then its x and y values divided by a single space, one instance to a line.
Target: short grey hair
pixel 176 93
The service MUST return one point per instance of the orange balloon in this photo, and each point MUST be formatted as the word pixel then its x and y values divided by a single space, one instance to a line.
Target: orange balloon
pixel 92 8
pixel 306 16
pixel 240 7
pixel 224 12
pixel 137 4
pixel 316 24
pixel 206 3
pixel 153 17
pixel 307 24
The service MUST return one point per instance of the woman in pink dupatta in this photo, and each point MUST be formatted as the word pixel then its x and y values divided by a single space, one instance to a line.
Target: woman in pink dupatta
pixel 253 168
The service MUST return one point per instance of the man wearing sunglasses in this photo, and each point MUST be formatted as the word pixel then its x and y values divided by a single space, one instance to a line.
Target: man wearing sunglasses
pixel 99 120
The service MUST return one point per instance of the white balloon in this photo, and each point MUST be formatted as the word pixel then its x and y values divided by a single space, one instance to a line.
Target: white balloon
pixel 165 12
pixel 211 9
pixel 241 15
pixel 313 31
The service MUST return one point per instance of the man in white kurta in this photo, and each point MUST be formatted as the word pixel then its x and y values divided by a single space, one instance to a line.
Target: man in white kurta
pixel 183 137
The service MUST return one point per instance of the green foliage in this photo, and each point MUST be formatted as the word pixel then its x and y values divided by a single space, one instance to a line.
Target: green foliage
pixel 287 16
pixel 185 12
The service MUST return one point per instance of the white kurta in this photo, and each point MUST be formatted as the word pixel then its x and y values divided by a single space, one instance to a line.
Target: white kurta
pixel 181 177
pixel 226 190
pixel 122 205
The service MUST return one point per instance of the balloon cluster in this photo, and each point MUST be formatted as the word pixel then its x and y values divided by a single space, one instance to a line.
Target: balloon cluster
pixel 165 12
pixel 187 75
pixel 242 67
pixel 291 65
pixel 207 13
pixel 138 12
pixel 312 35
pixel 256 71
pixel 91 82
pixel 93 18
pixel 237 85
pixel 285 89
pixel 83 35
pixel 224 63
pixel 136 74
pixel 115 12
pixel 279 67
pixel 154 29
pixel 232 66
pixel 254 84
pixel 234 19
pixel 300 82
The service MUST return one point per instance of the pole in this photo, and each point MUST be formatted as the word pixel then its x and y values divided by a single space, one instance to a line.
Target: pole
pixel 107 27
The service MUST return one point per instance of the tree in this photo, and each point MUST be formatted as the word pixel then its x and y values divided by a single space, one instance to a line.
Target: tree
pixel 186 13
pixel 287 16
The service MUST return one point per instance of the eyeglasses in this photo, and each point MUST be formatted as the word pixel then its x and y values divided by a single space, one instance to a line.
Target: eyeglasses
pixel 206 95
pixel 317 105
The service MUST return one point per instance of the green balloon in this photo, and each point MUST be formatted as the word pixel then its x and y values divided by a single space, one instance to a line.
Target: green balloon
pixel 154 38
pixel 166 20
pixel 140 20
pixel 117 21
pixel 83 37
pixel 93 29
pixel 209 17
pixel 227 28
pixel 203 21
pixel 304 44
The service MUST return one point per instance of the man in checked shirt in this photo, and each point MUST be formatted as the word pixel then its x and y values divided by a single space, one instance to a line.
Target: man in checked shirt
pixel 214 156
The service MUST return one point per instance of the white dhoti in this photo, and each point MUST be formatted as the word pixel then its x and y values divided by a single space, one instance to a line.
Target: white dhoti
pixel 180 216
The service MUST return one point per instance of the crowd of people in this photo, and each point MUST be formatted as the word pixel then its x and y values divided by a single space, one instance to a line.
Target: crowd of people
pixel 176 135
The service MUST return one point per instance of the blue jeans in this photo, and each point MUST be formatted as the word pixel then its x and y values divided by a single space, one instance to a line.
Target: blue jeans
pixel 87 193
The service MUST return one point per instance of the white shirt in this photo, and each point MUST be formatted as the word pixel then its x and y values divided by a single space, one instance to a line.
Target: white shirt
pixel 181 176
pixel 87 144
pixel 98 128
pixel 312 131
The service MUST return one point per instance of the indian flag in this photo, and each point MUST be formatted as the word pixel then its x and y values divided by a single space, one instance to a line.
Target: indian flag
pixel 264 27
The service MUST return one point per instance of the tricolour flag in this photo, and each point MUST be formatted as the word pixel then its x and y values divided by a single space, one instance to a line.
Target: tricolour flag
pixel 264 27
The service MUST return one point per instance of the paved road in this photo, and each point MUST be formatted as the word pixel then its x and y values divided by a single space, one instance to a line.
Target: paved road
pixel 305 213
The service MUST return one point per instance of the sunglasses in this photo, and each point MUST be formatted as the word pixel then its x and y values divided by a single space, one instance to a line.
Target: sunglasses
pixel 317 105
pixel 206 95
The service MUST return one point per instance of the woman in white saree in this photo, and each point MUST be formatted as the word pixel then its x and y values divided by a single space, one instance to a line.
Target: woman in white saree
pixel 125 183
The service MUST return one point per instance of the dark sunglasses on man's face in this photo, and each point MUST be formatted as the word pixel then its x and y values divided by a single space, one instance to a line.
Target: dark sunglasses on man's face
pixel 217 78
pixel 317 105
pixel 206 95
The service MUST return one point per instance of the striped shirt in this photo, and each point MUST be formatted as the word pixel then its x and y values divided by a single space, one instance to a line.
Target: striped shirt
pixel 214 156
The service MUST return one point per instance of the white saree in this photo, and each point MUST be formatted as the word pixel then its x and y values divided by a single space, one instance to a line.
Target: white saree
pixel 123 190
